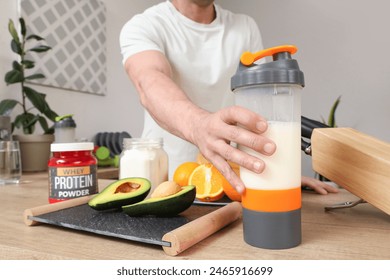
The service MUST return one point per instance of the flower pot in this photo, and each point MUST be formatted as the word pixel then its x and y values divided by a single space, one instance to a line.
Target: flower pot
pixel 34 151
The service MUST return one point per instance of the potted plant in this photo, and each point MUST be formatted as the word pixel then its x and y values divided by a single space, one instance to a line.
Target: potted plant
pixel 34 107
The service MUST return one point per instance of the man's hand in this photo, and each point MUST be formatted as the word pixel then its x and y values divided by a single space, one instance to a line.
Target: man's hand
pixel 318 186
pixel 213 134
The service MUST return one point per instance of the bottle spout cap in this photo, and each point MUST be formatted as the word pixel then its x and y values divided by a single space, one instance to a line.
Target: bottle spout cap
pixel 278 52
pixel 282 70
pixel 64 121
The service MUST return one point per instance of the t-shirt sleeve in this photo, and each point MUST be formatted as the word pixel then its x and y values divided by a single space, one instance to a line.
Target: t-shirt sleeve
pixel 138 35
pixel 256 42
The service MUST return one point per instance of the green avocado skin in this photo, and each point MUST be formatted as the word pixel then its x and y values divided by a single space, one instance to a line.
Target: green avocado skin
pixel 163 207
pixel 108 200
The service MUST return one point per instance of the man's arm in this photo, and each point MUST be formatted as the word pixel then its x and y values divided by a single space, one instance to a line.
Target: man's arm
pixel 212 133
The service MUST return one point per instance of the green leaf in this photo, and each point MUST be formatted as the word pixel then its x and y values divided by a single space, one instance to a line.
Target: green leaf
pixel 16 47
pixel 43 123
pixel 17 66
pixel 30 122
pixel 13 76
pixel 12 31
pixel 22 27
pixel 35 77
pixel 50 114
pixel 7 105
pixel 35 37
pixel 332 114
pixel 27 122
pixel 28 64
pixel 40 48
pixel 36 98
pixel 50 130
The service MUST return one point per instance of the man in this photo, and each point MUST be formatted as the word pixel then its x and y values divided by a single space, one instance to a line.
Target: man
pixel 180 55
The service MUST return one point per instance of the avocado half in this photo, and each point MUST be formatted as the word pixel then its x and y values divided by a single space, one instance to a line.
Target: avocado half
pixel 168 206
pixel 122 192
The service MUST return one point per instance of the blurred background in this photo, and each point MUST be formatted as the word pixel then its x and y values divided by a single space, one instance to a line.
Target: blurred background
pixel 343 51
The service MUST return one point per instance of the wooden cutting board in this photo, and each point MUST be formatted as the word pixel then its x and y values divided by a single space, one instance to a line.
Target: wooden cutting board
pixel 174 234
pixel 356 161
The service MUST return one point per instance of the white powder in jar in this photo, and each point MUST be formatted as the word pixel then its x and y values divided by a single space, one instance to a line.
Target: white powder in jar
pixel 144 158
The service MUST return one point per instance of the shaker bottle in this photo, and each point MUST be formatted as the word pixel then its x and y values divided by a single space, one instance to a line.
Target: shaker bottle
pixel 65 129
pixel 272 200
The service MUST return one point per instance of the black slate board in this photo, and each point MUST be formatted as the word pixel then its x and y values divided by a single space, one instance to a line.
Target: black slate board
pixel 114 223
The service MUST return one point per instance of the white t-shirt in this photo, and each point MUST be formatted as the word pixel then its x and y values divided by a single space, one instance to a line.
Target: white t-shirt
pixel 203 58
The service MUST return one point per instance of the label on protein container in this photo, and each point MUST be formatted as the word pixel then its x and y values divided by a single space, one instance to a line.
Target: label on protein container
pixel 72 182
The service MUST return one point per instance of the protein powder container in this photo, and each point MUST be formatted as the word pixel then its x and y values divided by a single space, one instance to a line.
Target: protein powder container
pixel 72 171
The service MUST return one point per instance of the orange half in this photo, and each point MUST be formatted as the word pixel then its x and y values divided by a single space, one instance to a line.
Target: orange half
pixel 208 182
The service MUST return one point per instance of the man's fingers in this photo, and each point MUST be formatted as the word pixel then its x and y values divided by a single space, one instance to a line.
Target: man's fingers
pixel 245 128
pixel 226 170
pixel 318 186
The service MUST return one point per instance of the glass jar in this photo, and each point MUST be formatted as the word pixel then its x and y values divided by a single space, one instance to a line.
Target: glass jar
pixel 146 158
pixel 72 171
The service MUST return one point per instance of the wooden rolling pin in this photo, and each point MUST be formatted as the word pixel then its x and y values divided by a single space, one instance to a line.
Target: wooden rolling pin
pixel 191 233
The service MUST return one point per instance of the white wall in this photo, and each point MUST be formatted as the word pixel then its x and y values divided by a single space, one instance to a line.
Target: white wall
pixel 343 47
pixel 342 51
pixel 119 110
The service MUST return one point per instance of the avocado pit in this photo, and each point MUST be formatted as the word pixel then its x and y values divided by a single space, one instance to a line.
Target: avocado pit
pixel 165 189
pixel 127 187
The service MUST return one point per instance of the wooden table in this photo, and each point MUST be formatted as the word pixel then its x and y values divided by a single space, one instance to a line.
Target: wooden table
pixel 362 232
pixel 108 173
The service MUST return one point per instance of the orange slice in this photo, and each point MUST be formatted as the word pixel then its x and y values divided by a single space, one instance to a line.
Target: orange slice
pixel 208 181
pixel 202 160
pixel 227 187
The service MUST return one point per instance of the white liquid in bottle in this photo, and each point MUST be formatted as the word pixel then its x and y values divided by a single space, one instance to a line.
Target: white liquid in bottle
pixel 283 168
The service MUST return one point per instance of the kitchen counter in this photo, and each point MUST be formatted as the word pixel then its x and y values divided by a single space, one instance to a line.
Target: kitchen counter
pixel 361 232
